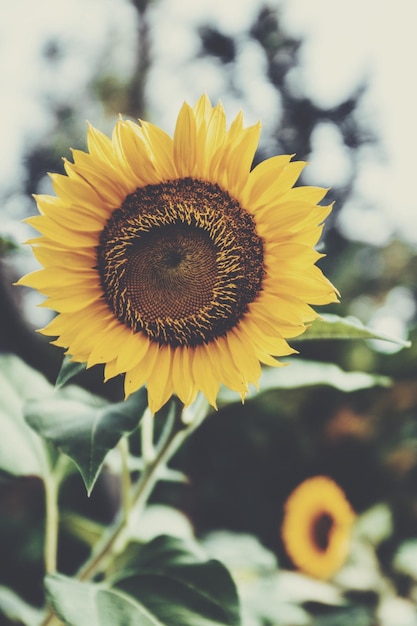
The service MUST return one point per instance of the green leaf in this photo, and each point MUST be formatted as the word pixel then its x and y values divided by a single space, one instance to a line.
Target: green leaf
pixel 169 585
pixel 303 373
pixel 73 601
pixel 84 426
pixel 7 245
pixel 171 579
pixel 68 370
pixel 88 604
pixel 405 559
pixel 15 608
pixel 22 452
pixel 335 327
pixel 116 608
pixel 167 551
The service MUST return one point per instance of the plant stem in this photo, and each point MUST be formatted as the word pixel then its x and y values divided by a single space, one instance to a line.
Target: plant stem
pixel 180 423
pixel 146 428
pixel 52 521
pixel 125 477
pixel 168 445
pixel 52 484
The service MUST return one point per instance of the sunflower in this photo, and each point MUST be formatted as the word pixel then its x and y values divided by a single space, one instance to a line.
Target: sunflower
pixel 170 261
pixel 316 527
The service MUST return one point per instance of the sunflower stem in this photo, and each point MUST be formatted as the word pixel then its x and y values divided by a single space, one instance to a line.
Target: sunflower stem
pixel 126 483
pixel 179 425
pixel 147 446
pixel 173 435
pixel 52 484
pixel 50 620
pixel 51 524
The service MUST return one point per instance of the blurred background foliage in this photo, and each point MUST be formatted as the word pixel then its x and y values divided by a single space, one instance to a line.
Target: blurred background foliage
pixel 65 62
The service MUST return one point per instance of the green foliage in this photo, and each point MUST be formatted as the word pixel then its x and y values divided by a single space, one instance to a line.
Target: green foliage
pixel 334 327
pixel 405 560
pixel 168 583
pixel 68 370
pixel 22 452
pixel 7 245
pixel 84 426
pixel 301 373
pixel 14 607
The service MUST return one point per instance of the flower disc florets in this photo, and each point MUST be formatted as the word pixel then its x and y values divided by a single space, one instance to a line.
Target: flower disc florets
pixel 180 261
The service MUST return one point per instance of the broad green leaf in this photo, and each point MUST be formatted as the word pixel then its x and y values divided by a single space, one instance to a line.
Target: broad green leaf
pixel 335 327
pixel 169 577
pixel 303 373
pixel 22 451
pixel 84 426
pixel 405 559
pixel 88 604
pixel 375 525
pixel 194 595
pixel 15 608
pixel 115 607
pixel 73 601
pixel 167 551
pixel 307 373
pixel 68 370
pixel 165 586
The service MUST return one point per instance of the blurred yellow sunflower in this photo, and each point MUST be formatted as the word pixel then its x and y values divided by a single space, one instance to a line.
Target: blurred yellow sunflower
pixel 317 526
pixel 172 262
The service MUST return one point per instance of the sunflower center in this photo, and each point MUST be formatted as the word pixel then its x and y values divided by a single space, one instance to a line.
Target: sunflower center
pixel 180 261
pixel 171 273
pixel 321 528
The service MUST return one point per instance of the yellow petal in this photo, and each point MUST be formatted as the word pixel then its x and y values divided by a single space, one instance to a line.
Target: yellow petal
pixel 271 344
pixel 202 110
pixel 215 135
pixel 185 142
pixel 57 278
pixel 65 236
pixel 182 378
pixel 161 146
pixel 133 154
pixel 132 352
pixel 77 260
pixel 262 177
pixel 77 191
pixel 240 159
pixel 243 357
pixel 204 377
pixel 110 344
pixel 288 176
pixel 99 146
pixel 137 376
pixel 73 300
pixel 224 367
pixel 159 383
pixel 110 370
pixel 110 194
